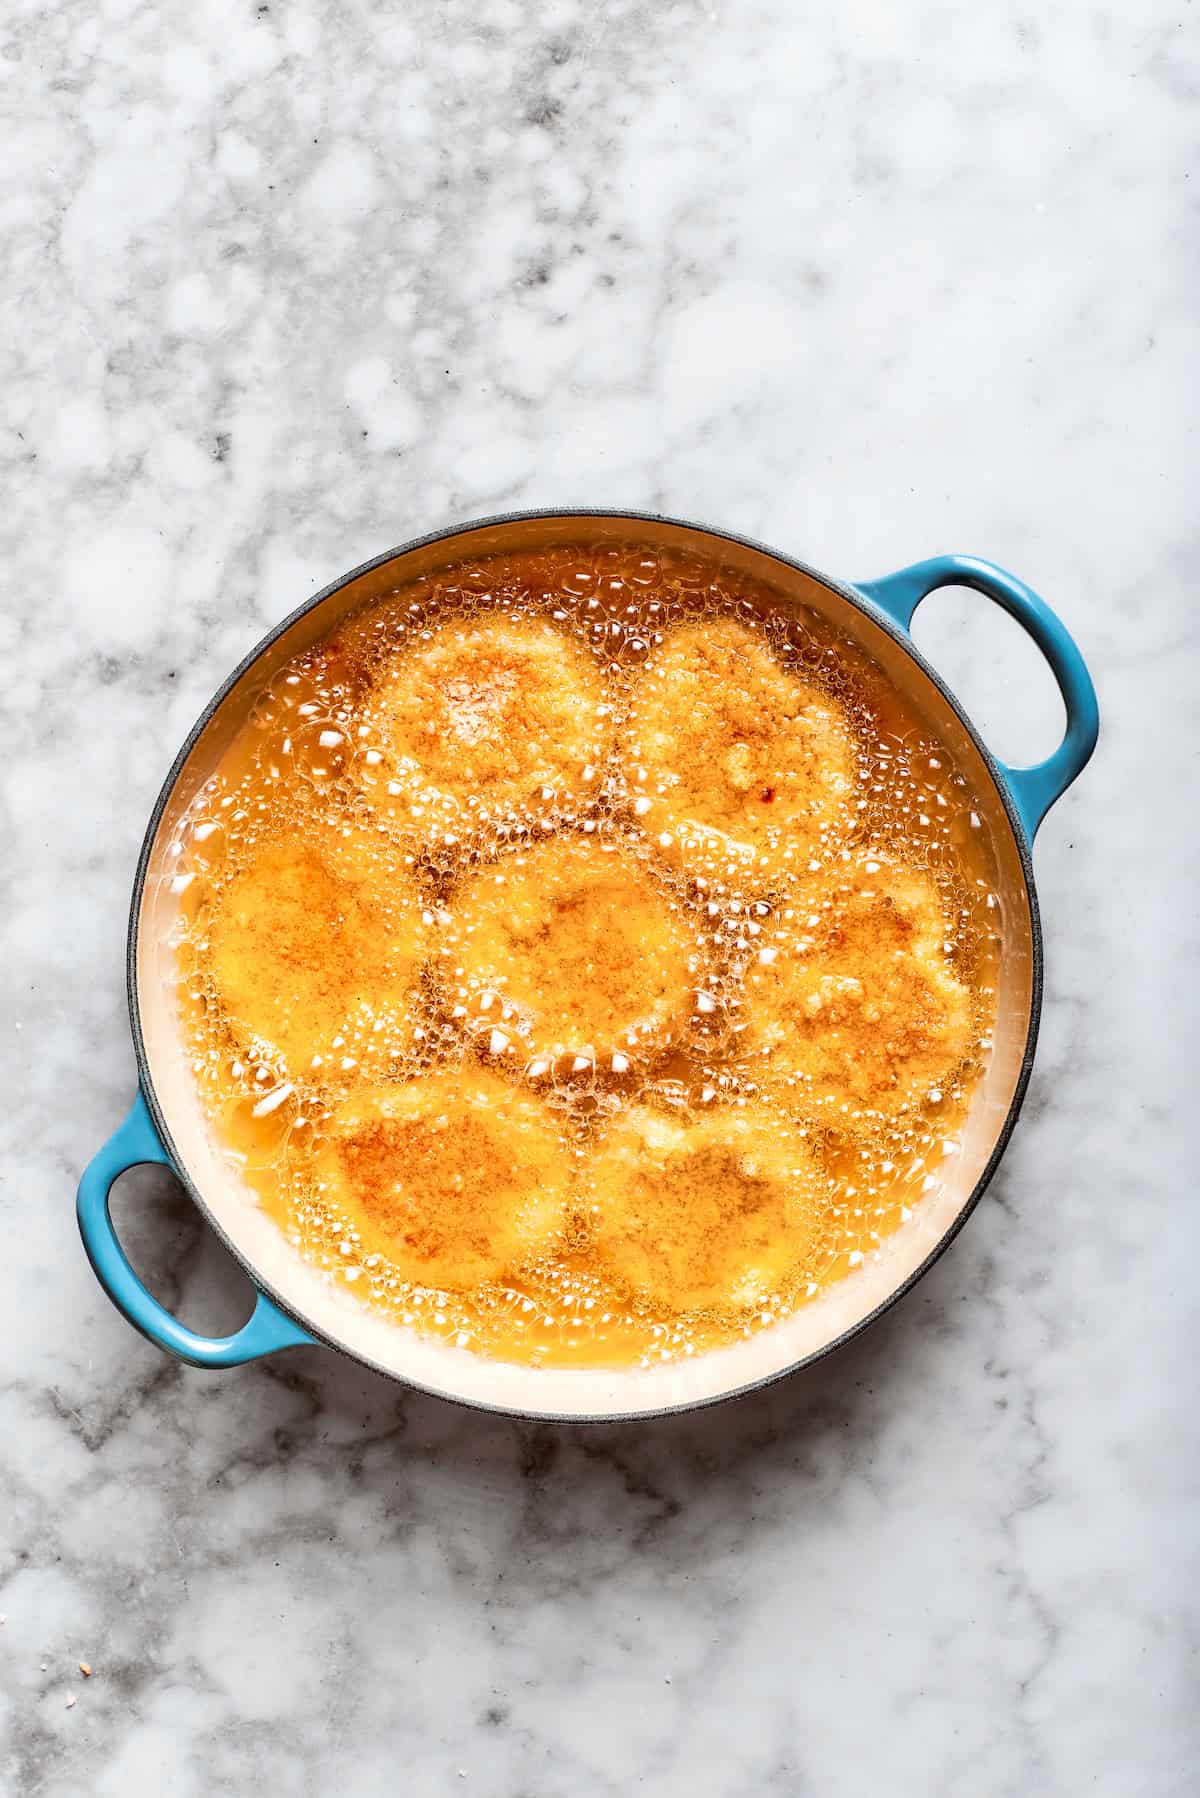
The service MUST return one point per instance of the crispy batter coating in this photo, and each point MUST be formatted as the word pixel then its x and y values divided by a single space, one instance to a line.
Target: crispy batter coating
pixel 866 1008
pixel 703 1211
pixel 457 1178
pixel 733 743
pixel 488 719
pixel 583 946
pixel 317 938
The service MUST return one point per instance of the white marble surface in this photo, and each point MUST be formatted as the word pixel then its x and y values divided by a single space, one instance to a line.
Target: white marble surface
pixel 283 285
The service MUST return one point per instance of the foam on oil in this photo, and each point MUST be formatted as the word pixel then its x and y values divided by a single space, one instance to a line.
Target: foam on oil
pixel 311 768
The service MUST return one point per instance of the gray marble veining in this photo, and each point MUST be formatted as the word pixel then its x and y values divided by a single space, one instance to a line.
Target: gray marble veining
pixel 286 284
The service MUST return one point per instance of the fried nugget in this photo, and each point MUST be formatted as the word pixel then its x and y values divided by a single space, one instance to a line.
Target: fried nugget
pixel 457 1179
pixel 487 720
pixel 690 1212
pixel 738 756
pixel 863 1007
pixel 317 938
pixel 583 947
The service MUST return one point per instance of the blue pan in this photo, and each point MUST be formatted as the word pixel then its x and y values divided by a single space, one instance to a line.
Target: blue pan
pixel 292 1305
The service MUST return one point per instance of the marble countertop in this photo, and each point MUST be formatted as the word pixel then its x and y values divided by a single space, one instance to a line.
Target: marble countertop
pixel 284 285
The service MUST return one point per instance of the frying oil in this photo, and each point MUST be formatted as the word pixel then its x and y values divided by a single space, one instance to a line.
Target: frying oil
pixel 299 771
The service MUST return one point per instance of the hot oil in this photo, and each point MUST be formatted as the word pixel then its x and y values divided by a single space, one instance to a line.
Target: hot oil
pixel 296 773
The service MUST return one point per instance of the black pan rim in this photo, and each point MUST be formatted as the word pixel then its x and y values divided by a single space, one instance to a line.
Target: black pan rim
pixel 852 596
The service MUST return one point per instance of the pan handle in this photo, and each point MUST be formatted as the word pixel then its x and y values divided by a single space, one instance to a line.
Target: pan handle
pixel 1033 790
pixel 267 1329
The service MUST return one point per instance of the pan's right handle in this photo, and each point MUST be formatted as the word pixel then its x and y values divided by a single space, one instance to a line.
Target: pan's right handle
pixel 267 1328
pixel 1034 789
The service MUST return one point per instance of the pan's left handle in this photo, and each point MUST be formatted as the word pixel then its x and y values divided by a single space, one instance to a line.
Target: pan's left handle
pixel 135 1142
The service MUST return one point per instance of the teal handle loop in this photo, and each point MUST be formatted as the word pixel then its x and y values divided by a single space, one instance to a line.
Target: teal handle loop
pixel 1033 790
pixel 134 1143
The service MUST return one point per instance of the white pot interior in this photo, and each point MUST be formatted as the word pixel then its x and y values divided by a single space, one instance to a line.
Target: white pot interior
pixel 457 1373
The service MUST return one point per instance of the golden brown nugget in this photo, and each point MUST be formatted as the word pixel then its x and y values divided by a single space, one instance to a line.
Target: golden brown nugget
pixel 317 939
pixel 729 742
pixel 489 719
pixel 865 1009
pixel 692 1212
pixel 582 946
pixel 458 1178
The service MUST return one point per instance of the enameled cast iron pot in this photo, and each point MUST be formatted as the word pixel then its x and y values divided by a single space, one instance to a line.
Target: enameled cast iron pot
pixel 293 1306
